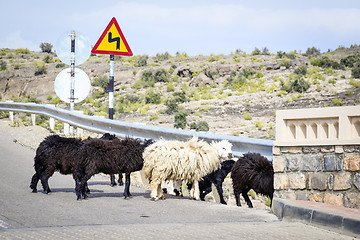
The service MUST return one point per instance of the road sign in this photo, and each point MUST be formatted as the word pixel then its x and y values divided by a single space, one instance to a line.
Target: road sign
pixel 63 84
pixel 82 48
pixel 112 41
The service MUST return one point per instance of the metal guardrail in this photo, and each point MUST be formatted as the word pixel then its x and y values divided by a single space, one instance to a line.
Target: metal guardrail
pixel 136 130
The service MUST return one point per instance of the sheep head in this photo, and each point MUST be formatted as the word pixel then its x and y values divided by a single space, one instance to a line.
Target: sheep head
pixel 224 149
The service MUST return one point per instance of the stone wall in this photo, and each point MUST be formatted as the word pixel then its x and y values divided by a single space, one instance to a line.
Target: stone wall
pixel 328 174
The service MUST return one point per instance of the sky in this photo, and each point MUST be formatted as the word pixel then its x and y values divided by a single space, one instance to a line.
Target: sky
pixel 187 26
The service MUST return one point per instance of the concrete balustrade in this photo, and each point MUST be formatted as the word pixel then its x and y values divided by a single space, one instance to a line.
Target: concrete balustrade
pixel 316 155
pixel 318 126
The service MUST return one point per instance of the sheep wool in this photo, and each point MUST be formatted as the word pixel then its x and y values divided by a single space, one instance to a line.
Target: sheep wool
pixel 176 160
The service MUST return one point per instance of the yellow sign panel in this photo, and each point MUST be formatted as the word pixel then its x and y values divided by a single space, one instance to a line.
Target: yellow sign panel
pixel 112 41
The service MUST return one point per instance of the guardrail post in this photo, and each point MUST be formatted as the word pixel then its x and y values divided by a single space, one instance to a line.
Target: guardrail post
pixel 51 120
pixel 66 129
pixel 33 119
pixel 52 123
pixel 11 114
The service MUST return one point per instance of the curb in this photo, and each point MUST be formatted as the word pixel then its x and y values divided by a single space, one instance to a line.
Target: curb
pixel 290 211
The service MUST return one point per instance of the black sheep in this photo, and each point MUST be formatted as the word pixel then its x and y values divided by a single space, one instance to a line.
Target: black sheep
pixel 252 171
pixel 109 157
pixel 56 153
pixel 217 178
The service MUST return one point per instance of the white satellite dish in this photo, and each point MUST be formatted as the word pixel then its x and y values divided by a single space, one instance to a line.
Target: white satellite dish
pixel 81 86
pixel 82 48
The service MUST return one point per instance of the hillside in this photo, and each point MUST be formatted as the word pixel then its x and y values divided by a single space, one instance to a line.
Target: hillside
pixel 236 94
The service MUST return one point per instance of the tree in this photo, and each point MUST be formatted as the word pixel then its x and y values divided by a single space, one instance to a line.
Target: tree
pixel 46 47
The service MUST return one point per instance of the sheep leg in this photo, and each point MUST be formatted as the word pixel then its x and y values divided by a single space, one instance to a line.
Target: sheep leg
pixel 120 180
pixel 34 181
pixel 77 189
pixel 83 186
pixel 154 184
pixel 237 198
pixel 44 181
pixel 204 193
pixel 127 194
pixel 87 188
pixel 195 192
pixel 112 180
pixel 247 199
pixel 220 191
pixel 160 194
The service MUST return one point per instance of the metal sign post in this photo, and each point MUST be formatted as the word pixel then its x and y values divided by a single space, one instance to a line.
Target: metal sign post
pixel 79 47
pixel 72 74
pixel 111 88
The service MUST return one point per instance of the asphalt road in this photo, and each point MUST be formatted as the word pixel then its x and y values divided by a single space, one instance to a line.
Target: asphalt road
pixel 106 213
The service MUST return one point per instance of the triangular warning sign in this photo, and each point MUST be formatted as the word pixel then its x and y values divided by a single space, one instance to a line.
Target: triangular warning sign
pixel 112 41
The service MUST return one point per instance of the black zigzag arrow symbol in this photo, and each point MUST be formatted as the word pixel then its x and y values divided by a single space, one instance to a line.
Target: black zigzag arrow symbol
pixel 117 40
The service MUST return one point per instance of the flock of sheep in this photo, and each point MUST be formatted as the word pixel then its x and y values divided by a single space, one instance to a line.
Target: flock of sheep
pixel 195 162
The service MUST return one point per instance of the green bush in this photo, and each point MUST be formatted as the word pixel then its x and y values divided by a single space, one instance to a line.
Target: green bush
pixel 40 68
pixel 48 59
pixel 256 52
pixel 180 97
pixel 313 51
pixel 349 61
pixel 22 51
pixel 301 70
pixel 285 62
pixel 150 77
pixel 3 65
pixel 102 81
pixel 247 116
pixel 142 61
pixel 46 47
pixel 355 70
pixel 162 57
pixel 180 119
pixel 172 105
pixel 355 83
pixel 300 85
pixel 336 102
pixel 326 62
pixel 200 126
pixel 60 65
pixel 152 97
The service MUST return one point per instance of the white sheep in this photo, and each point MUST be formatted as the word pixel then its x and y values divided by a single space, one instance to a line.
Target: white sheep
pixel 187 161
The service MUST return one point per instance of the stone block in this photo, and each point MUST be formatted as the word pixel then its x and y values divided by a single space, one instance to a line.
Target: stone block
pixel 330 163
pixel 357 181
pixel 319 181
pixel 291 149
pixel 276 151
pixel 316 197
pixel 278 163
pixel 281 182
pixel 334 199
pixel 342 181
pixel 352 200
pixel 349 148
pixel 351 162
pixel 308 163
pixel 292 163
pixel 328 149
pixel 289 195
pixel 339 149
pixel 297 181
pixel 300 195
pixel 311 150
pixel 295 149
